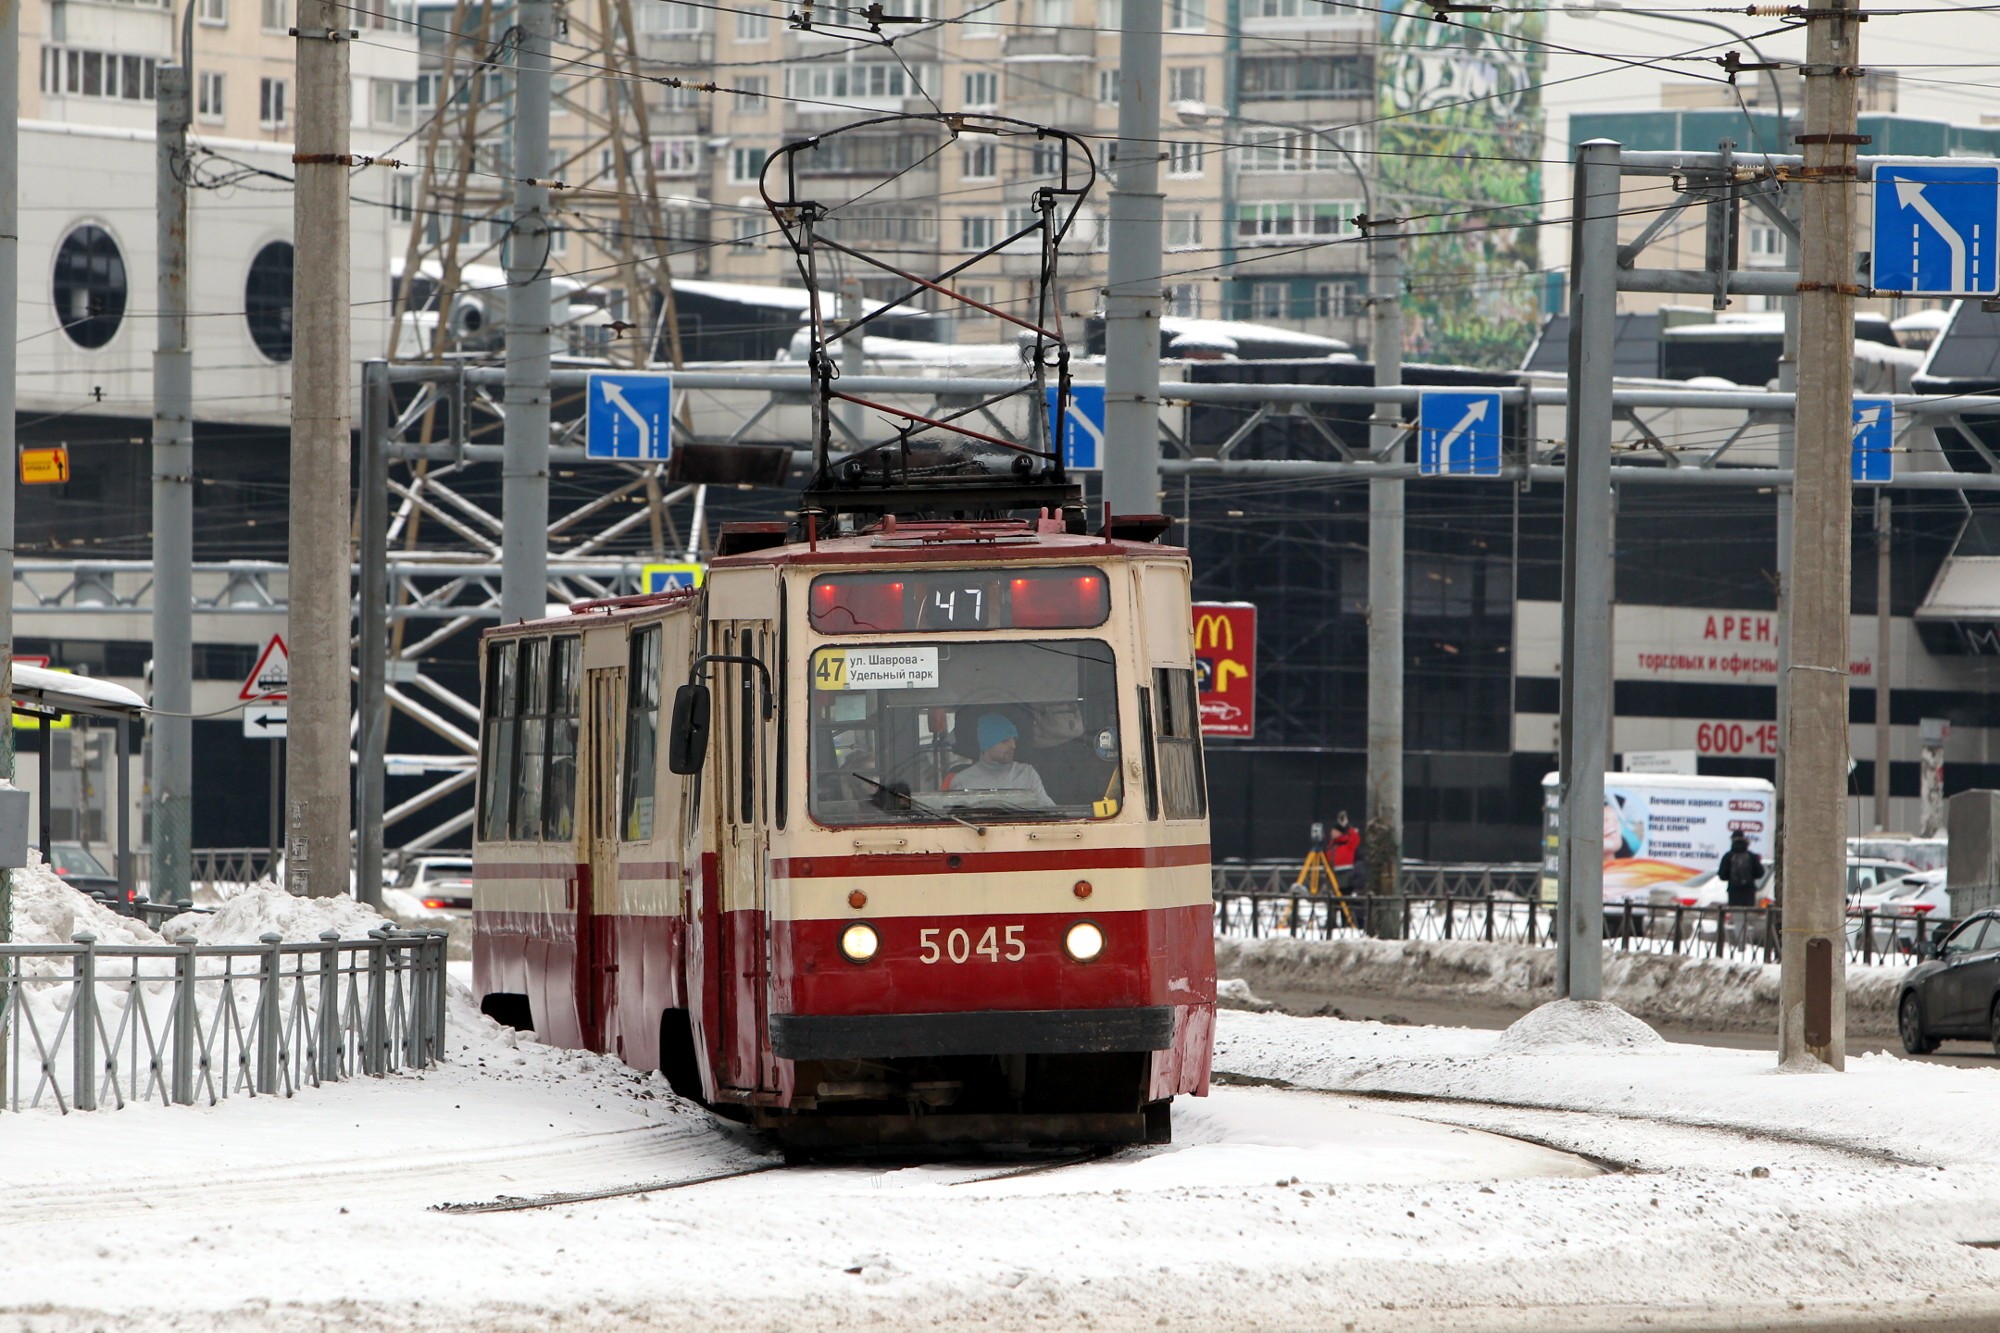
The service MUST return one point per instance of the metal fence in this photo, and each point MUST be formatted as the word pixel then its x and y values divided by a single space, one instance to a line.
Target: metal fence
pixel 85 1026
pixel 1424 880
pixel 209 866
pixel 1743 934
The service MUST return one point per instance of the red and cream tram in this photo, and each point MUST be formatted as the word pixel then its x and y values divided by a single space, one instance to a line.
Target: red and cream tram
pixel 897 837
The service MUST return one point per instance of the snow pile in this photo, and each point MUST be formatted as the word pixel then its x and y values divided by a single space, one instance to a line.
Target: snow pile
pixel 1235 993
pixel 262 910
pixel 48 911
pixel 1660 988
pixel 1570 1024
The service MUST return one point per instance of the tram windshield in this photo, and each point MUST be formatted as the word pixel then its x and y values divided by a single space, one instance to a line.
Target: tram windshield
pixel 968 732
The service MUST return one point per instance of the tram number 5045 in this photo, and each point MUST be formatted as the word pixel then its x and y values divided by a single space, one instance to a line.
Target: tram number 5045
pixel 994 945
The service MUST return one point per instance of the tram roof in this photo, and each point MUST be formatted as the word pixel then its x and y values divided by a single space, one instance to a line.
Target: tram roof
pixel 952 542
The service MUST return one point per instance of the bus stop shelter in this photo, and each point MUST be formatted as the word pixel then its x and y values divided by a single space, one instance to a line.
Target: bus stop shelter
pixel 47 695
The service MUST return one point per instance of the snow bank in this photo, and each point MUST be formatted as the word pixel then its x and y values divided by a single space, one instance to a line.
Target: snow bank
pixel 48 911
pixel 261 910
pixel 1569 1024
pixel 1235 993
pixel 1659 988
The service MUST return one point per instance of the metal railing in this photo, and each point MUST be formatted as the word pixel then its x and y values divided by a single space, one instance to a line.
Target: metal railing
pixel 85 1026
pixel 1422 879
pixel 209 866
pixel 1742 934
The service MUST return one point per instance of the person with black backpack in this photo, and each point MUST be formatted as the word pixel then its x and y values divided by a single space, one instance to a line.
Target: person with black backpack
pixel 1742 870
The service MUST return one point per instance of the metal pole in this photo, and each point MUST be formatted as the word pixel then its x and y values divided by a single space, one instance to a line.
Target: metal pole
pixel 1586 666
pixel 173 500
pixel 524 584
pixel 853 353
pixel 1788 382
pixel 1884 619
pixel 10 246
pixel 126 886
pixel 1813 957
pixel 1132 290
pixel 1383 832
pixel 374 632
pixel 318 781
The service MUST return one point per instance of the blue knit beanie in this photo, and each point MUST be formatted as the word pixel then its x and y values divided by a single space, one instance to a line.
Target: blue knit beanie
pixel 993 729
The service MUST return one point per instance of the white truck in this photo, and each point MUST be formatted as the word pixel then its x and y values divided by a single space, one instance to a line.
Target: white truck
pixel 1665 828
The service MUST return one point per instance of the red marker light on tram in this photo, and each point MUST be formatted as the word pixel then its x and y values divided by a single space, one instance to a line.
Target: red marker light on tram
pixel 857 900
pixel 1082 889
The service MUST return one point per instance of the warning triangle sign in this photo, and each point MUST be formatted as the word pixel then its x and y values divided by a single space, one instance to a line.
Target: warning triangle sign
pixel 271 678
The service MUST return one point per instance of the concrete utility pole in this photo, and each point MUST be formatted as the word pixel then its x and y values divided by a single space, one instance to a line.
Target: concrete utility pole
pixel 318 777
pixel 10 258
pixel 1812 987
pixel 524 499
pixel 1884 643
pixel 1383 831
pixel 1586 640
pixel 1132 290
pixel 173 496
pixel 372 632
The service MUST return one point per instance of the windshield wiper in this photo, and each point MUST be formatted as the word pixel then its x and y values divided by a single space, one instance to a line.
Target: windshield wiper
pixel 903 795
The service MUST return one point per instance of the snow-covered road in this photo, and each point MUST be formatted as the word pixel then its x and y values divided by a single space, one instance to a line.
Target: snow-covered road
pixel 1395 1179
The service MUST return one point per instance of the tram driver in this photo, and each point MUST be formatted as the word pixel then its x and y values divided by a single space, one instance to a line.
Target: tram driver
pixel 997 769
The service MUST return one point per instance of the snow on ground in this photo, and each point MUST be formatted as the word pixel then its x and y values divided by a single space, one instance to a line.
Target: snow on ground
pixel 1697 992
pixel 262 909
pixel 1406 1179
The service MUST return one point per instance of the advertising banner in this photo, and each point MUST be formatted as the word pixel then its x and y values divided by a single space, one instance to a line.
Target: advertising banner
pixel 1225 660
pixel 1665 829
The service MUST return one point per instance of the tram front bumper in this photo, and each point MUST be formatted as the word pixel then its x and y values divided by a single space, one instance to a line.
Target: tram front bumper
pixel 986 1032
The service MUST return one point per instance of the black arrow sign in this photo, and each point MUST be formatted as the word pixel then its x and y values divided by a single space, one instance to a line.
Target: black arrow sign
pixel 269 719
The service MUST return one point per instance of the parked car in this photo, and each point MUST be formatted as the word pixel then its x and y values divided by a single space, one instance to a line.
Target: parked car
pixel 77 867
pixel 442 883
pixel 1865 874
pixel 1894 915
pixel 1955 993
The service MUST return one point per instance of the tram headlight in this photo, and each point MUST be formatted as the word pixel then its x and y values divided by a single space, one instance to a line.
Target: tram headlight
pixel 1083 942
pixel 859 942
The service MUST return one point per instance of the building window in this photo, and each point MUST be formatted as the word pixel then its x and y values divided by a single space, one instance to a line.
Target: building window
pixel 276 15
pixel 1107 86
pixel 679 155
pixel 69 72
pixel 752 89
pixel 1334 300
pixel 1284 9
pixel 1046 159
pixel 977 20
pixel 90 288
pixel 1290 150
pixel 215 13
pixel 402 196
pixel 1183 159
pixel 679 99
pixel 1289 221
pixel 752 26
pixel 1187 83
pixel 1049 13
pixel 1270 300
pixel 749 230
pixel 208 95
pixel 1187 15
pixel 1767 246
pixel 267 300
pixel 664 16
pixel 975 233
pixel 1183 230
pixel 868 81
pixel 273 102
pixel 1184 299
pixel 982 161
pixel 1281 77
pixel 982 90
pixel 393 102
pixel 746 164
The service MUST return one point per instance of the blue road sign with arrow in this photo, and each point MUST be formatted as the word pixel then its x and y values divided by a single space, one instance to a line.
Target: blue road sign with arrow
pixel 629 416
pixel 1874 438
pixel 1934 229
pixel 1081 431
pixel 1458 433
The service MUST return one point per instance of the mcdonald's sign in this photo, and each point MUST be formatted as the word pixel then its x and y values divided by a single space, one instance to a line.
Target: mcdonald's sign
pixel 1225 660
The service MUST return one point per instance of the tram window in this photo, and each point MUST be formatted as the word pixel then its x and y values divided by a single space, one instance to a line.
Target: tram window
pixel 565 706
pixel 1146 753
pixel 497 746
pixel 1177 735
pixel 989 732
pixel 530 765
pixel 642 729
pixel 746 715
pixel 1049 597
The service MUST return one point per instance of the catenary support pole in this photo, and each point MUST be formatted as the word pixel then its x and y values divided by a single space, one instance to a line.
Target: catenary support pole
pixel 1132 291
pixel 1788 382
pixel 1586 638
pixel 1383 830
pixel 10 254
pixel 1885 621
pixel 1813 958
pixel 173 500
pixel 318 777
pixel 373 631
pixel 524 586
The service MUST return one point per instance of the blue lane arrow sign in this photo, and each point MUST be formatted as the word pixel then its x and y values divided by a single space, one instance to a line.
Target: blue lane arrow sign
pixel 1934 229
pixel 1081 430
pixel 1458 433
pixel 629 416
pixel 1874 439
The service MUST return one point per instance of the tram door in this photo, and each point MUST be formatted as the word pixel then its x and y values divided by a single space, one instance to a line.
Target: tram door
pixel 597 884
pixel 738 800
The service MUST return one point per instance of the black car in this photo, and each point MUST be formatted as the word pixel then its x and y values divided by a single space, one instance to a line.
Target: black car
pixel 1956 991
